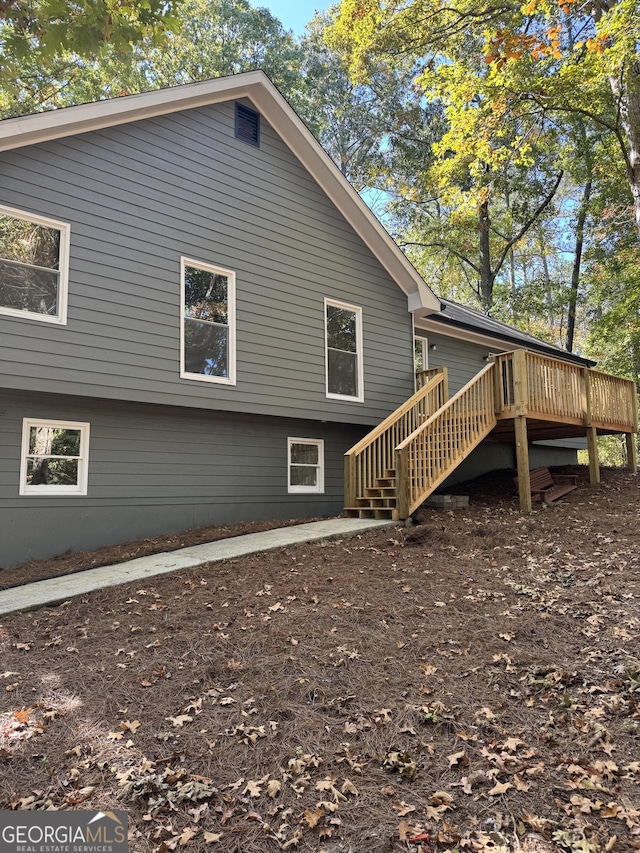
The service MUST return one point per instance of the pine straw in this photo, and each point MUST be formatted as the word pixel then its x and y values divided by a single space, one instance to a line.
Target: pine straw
pixel 475 679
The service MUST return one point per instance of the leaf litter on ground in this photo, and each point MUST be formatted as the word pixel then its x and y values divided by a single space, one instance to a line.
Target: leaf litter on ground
pixel 319 698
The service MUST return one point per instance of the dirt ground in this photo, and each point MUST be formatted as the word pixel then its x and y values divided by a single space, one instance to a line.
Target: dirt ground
pixel 471 683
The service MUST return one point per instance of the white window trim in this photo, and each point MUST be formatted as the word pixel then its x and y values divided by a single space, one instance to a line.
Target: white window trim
pixel 83 459
pixel 359 398
pixel 319 487
pixel 425 350
pixel 64 228
pixel 231 309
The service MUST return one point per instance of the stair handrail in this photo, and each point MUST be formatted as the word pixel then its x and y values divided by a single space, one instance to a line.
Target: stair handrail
pixel 469 435
pixel 359 474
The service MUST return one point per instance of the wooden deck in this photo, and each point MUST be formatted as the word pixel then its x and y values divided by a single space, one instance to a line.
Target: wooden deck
pixel 519 396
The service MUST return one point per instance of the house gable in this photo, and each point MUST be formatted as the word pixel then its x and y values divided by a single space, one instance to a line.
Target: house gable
pixel 256 87
pixel 139 196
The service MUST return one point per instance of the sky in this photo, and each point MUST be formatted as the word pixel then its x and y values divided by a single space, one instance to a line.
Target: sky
pixel 294 14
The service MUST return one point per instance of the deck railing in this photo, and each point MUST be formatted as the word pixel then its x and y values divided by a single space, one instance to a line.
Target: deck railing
pixel 427 456
pixel 611 400
pixel 551 389
pixel 424 376
pixel 373 455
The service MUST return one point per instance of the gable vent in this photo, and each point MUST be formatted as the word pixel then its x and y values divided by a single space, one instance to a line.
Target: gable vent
pixel 247 125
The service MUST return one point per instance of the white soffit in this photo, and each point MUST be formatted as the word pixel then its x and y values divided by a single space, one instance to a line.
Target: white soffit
pixel 256 86
pixel 495 344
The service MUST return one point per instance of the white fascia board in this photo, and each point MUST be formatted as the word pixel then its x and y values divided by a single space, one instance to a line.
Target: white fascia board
pixel 322 168
pixel 256 86
pixel 68 121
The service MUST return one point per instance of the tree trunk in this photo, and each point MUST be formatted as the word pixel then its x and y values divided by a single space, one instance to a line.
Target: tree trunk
pixel 486 274
pixel 577 261
pixel 627 94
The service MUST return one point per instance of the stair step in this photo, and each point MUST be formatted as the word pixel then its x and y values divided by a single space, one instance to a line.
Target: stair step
pixel 385 483
pixel 378 512
pixel 383 492
pixel 368 503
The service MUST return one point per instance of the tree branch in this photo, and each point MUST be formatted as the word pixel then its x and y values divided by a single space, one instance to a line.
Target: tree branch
pixel 529 222
pixel 456 254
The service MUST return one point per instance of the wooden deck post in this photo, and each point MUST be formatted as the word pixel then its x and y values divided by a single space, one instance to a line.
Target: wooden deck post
pixel 594 463
pixel 586 395
pixel 520 382
pixel 498 377
pixel 522 458
pixel 632 452
pixel 445 385
pixel 521 404
pixel 632 446
pixel 403 485
pixel 349 480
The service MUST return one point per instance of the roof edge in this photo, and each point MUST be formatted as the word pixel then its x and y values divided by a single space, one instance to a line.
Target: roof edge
pixel 257 87
pixel 440 324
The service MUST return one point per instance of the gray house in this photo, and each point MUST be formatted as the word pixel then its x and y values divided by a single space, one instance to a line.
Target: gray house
pixel 199 317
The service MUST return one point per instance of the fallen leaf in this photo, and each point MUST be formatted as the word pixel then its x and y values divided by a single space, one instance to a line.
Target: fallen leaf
pixel 252 788
pixel 273 787
pixel 187 835
pixel 349 788
pixel 178 722
pixel 402 808
pixel 294 840
pixel 212 837
pixel 456 757
pixel 313 816
pixel 500 788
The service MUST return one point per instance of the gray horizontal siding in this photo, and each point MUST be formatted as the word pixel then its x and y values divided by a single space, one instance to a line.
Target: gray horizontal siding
pixel 157 469
pixel 141 195
pixel 463 359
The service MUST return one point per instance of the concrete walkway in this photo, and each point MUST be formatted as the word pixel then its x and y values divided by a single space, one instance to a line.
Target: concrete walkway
pixel 58 589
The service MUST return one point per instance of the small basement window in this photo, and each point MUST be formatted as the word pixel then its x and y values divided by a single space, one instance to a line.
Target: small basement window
pixel 55 458
pixel 306 465
pixel 247 125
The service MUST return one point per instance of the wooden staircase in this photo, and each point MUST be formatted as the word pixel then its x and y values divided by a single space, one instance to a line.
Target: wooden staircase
pixel 379 501
pixel 393 470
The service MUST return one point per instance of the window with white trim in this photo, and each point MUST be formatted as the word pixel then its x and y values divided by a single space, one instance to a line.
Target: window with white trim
pixel 208 323
pixel 306 465
pixel 34 266
pixel 343 331
pixel 55 457
pixel 420 354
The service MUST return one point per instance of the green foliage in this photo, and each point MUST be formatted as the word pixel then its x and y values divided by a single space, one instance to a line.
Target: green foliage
pixel 225 37
pixel 49 28
pixel 526 91
pixel 42 37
